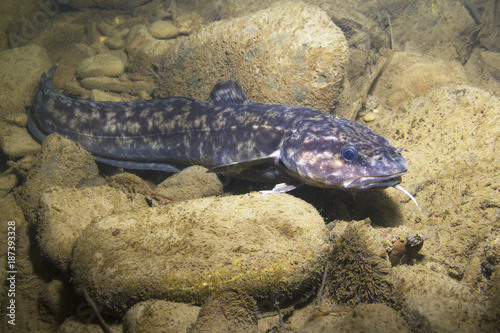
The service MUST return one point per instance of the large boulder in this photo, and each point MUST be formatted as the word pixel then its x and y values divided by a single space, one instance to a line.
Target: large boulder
pixel 184 252
pixel 276 55
pixel 20 71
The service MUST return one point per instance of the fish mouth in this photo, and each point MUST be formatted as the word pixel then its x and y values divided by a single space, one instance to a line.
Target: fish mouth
pixel 372 182
pixel 378 182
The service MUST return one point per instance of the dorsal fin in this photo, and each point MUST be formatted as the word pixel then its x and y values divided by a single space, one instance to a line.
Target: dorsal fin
pixel 228 92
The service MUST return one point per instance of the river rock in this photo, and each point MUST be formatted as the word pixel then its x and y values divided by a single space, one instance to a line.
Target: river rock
pixel 117 41
pixel 59 37
pixel 102 96
pixel 20 71
pixel 65 213
pixel 276 55
pixel 163 29
pixel 57 297
pixel 409 75
pixel 158 315
pixel 101 65
pixel 375 318
pixel 447 31
pixel 84 322
pixel 239 314
pixel 106 29
pixel 61 162
pixel 153 52
pixel 184 252
pixel 7 182
pixel 137 38
pixel 191 183
pixel 438 300
pixel 116 85
pixel 17 142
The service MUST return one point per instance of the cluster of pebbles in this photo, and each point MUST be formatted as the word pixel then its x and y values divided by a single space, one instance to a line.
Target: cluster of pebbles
pixel 104 74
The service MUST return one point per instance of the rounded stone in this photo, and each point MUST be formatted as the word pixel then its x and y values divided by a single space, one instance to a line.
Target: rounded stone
pixel 116 84
pixel 163 30
pixel 374 318
pixel 239 314
pixel 103 96
pixel 7 183
pixel 184 252
pixel 61 162
pixel 20 70
pixel 191 183
pixel 106 29
pixel 100 65
pixel 160 316
pixel 59 226
pixel 370 116
pixel 275 54
pixel 137 38
pixel 16 142
pixel 115 42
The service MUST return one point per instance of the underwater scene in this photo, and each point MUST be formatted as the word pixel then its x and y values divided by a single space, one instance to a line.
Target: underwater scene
pixel 250 166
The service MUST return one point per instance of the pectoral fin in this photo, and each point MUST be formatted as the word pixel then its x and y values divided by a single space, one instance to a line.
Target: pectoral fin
pixel 237 167
pixel 280 188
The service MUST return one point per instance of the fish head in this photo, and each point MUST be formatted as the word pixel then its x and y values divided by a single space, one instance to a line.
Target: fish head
pixel 342 154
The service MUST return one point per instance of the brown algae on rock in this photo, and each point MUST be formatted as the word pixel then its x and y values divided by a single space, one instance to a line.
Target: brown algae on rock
pixel 359 269
pixel 160 316
pixel 228 311
pixel 191 183
pixel 275 41
pixel 58 225
pixel 186 251
pixel 61 163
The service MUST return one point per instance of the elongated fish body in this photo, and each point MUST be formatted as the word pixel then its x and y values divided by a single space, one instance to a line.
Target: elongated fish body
pixel 229 135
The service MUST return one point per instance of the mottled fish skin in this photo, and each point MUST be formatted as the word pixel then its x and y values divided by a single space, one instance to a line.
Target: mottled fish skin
pixel 267 142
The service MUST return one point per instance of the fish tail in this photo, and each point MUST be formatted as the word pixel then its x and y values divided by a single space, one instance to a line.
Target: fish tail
pixel 34 111
pixel 48 78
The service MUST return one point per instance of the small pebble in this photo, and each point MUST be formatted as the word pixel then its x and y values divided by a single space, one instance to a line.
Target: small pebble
pixel 17 142
pixel 137 38
pixel 144 96
pixel 163 29
pixel 20 120
pixel 115 42
pixel 99 95
pixel 370 116
pixel 116 85
pixel 160 316
pixel 105 29
pixel 100 65
pixel 191 183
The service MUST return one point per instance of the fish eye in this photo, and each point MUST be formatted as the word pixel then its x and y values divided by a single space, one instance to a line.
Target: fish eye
pixel 349 153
